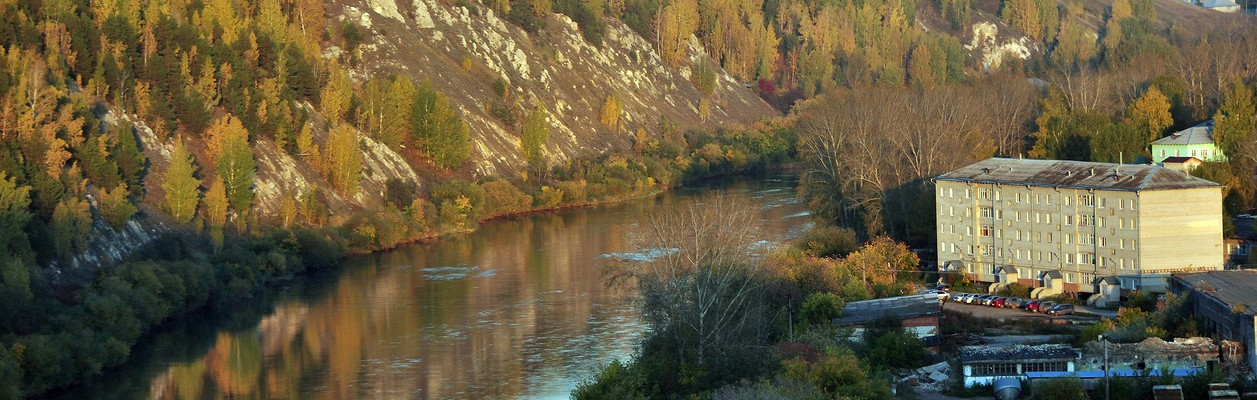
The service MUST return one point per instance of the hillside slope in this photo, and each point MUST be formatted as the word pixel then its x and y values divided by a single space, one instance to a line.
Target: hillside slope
pixel 463 52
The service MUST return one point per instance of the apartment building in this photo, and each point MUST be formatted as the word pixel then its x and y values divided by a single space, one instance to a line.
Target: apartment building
pixel 1071 227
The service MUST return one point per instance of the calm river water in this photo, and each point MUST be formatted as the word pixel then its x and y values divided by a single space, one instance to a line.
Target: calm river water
pixel 518 309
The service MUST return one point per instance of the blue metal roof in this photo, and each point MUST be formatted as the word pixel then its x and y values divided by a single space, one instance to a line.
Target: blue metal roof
pixel 1181 372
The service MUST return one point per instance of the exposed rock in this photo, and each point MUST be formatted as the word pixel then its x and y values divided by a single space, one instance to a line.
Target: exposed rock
pixel 423 18
pixel 986 42
pixel 387 8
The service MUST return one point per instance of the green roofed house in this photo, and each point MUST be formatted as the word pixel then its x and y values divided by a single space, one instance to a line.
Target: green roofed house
pixel 1196 141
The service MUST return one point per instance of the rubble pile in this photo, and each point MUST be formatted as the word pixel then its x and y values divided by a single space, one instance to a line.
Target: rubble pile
pixel 930 377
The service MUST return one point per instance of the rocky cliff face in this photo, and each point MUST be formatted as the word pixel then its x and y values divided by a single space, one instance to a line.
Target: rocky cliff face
pixel 463 51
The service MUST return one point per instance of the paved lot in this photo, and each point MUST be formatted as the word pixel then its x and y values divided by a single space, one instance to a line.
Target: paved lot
pixel 993 312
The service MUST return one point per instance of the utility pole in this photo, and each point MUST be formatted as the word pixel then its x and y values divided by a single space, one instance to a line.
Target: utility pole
pixel 1106 366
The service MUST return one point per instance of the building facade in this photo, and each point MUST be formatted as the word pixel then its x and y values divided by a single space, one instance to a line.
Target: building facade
pixel 1196 141
pixel 1063 226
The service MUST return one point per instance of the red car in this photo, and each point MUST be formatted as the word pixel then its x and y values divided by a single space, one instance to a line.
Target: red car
pixel 1033 306
pixel 998 302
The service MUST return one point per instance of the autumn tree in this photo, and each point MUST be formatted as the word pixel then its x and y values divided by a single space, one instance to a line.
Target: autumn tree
pixel 612 109
pixel 228 146
pixel 344 160
pixel 677 21
pixel 536 133
pixel 336 94
pixel 115 207
pixel 1150 113
pixel 181 186
pixel 438 129
pixel 71 226
pixel 385 110
pixel 214 209
pixel 1023 15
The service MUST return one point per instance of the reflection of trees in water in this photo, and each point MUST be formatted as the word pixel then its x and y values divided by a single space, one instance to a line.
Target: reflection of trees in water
pixel 385 328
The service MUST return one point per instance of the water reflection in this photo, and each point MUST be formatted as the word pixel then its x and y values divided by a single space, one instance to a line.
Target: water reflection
pixel 517 310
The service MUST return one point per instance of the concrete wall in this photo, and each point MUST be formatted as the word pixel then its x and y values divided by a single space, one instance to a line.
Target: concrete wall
pixel 1180 230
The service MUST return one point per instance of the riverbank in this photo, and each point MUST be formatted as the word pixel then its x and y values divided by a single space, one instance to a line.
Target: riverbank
pixel 517 309
pixel 71 338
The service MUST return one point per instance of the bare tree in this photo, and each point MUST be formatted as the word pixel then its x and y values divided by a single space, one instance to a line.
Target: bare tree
pixel 704 287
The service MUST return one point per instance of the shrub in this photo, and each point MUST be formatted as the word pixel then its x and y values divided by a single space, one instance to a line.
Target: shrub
pixel 616 381
pixel 467 196
pixel 1060 389
pixel 828 241
pixel 501 198
pixel 820 308
pixel 891 346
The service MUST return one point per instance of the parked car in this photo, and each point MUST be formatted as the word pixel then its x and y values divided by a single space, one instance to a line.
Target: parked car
pixel 1014 302
pixel 999 302
pixel 990 300
pixel 967 298
pixel 942 296
pixel 1033 305
pixel 1045 306
pixel 979 299
pixel 1061 309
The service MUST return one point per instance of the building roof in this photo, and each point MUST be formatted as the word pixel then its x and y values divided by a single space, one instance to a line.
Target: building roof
pixel 1018 352
pixel 1179 159
pixel 1075 174
pixel 902 307
pixel 1052 273
pixel 1107 280
pixel 1008 269
pixel 1199 134
pixel 1218 3
pixel 1235 288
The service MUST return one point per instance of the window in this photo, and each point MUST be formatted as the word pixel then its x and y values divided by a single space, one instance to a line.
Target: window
pixel 968 212
pixel 1049 200
pixel 951 192
pixel 1069 258
pixel 1162 152
pixel 1086 200
pixel 1069 277
pixel 1103 242
pixel 1036 198
pixel 984 194
pixel 1101 221
pixel 1018 235
pixel 985 250
pixel 994 369
pixel 1104 202
pixel 1086 258
pixel 1038 236
pixel 1047 218
pixel 1121 263
pixel 1017 254
pixel 1066 200
pixel 966 193
pixel 951 211
pixel 986 212
pixel 1036 218
pixel 1086 220
pixel 1132 223
pixel 952 228
pixel 940 193
pixel 1121 223
pixel 1049 237
pixel 1121 244
pixel 1086 238
pixel 985 231
pixel 1018 198
pixel 969 231
pixel 1045 366
pixel 1067 237
pixel 1133 244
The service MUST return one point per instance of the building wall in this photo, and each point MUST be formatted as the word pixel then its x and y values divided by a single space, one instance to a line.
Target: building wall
pixel 1203 151
pixel 1084 234
pixel 1181 229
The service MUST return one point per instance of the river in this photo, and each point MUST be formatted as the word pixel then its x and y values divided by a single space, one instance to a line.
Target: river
pixel 518 309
